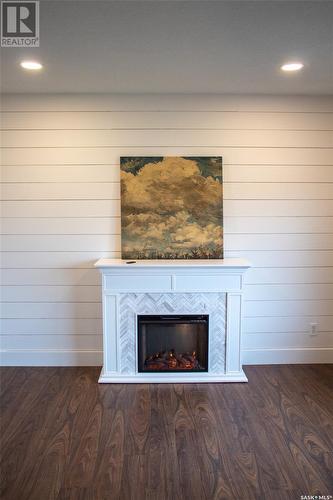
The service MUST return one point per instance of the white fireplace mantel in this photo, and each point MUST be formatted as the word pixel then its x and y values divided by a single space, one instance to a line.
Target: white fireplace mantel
pixel 171 286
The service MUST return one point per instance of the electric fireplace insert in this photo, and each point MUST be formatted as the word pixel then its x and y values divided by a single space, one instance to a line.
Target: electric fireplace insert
pixel 174 343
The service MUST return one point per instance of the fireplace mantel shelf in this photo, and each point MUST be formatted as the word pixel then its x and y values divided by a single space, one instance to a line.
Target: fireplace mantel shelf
pixel 212 287
pixel 186 263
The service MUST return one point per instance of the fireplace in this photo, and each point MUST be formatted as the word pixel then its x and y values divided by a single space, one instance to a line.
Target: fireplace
pixel 168 321
pixel 175 343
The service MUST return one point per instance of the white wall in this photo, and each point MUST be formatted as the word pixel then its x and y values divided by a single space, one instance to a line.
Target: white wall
pixel 61 213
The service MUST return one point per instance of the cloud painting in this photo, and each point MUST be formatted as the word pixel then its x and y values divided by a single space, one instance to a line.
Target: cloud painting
pixel 171 207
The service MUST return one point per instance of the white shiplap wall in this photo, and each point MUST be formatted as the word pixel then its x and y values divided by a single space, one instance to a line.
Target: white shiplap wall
pixel 61 212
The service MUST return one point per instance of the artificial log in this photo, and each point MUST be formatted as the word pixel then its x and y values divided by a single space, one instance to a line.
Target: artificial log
pixel 163 361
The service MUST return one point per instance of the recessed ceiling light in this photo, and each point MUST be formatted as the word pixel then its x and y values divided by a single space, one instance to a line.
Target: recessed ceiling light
pixel 31 65
pixel 292 66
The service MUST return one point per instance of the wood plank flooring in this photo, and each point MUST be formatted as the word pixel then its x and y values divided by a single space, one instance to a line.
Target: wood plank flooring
pixel 64 437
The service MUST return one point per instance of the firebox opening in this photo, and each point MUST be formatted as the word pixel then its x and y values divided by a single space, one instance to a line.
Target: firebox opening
pixel 174 343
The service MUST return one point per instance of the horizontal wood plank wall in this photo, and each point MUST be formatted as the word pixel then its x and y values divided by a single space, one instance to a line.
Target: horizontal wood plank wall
pixel 60 205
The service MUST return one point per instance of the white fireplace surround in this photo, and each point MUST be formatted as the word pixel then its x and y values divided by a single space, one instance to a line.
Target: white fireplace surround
pixel 212 287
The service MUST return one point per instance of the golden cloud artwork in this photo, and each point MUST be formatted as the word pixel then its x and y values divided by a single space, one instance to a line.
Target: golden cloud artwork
pixel 171 207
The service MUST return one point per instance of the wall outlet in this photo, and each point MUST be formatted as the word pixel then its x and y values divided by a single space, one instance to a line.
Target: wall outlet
pixel 313 329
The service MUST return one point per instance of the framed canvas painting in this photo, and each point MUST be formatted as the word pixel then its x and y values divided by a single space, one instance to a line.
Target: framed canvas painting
pixel 172 207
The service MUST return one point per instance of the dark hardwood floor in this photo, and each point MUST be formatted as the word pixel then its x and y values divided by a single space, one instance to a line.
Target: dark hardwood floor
pixel 65 437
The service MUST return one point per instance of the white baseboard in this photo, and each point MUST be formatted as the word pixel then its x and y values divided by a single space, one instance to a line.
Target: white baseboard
pixel 95 358
pixel 50 358
pixel 287 356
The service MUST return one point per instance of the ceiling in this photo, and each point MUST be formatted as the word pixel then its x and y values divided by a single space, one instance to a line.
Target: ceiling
pixel 177 47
